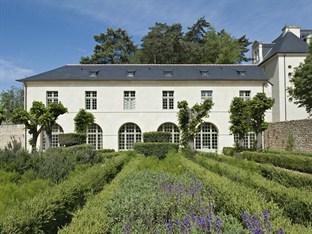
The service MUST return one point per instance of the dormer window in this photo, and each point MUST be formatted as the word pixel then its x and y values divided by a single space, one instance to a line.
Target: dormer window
pixel 168 73
pixel 131 74
pixel 241 73
pixel 93 74
pixel 204 73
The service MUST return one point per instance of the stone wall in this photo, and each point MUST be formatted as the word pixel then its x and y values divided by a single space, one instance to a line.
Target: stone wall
pixel 280 135
pixel 9 132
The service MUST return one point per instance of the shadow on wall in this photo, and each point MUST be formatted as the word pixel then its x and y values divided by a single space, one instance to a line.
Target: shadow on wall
pixel 12 135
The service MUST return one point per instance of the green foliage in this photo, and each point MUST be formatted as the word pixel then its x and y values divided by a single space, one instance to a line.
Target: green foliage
pixel 82 154
pixel 290 142
pixel 105 151
pixel 114 46
pixel 83 120
pixel 234 198
pixel 70 139
pixel 190 118
pixel 158 149
pixel 275 151
pixel 156 137
pixel 293 162
pixel 15 161
pixel 53 208
pixel 10 100
pixel 230 151
pixel 240 120
pixel 301 92
pixel 296 203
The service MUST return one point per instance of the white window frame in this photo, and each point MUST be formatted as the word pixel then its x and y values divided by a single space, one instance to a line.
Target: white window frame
pixel 168 100
pixel 91 100
pixel 207 140
pixel 128 135
pixel 171 128
pixel 245 94
pixel 51 96
pixel 129 100
pixel 206 94
pixel 249 140
pixel 95 136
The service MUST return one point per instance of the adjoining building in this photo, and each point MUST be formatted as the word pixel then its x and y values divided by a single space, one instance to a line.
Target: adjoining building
pixel 128 100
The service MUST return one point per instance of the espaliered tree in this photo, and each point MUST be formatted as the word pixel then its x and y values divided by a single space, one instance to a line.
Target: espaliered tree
pixel 301 92
pixel 189 120
pixel 83 120
pixel 240 120
pixel 38 119
pixel 249 115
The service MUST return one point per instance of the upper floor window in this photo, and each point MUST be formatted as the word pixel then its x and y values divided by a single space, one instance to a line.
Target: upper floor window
pixel 244 94
pixel 52 96
pixel 206 94
pixel 129 100
pixel 131 73
pixel 91 103
pixel 168 100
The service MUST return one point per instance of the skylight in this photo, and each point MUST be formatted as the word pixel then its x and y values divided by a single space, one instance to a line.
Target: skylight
pixel 204 73
pixel 168 73
pixel 242 73
pixel 131 73
pixel 93 74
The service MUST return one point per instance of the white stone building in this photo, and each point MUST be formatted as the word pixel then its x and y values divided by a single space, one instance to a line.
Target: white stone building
pixel 128 100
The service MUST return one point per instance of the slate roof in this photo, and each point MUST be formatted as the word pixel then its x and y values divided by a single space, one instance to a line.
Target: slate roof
pixel 285 43
pixel 149 72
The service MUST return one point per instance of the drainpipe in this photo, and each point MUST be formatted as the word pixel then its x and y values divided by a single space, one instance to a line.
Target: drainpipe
pixel 285 89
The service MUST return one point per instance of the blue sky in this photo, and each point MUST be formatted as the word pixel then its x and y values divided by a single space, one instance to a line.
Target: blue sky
pixel 38 35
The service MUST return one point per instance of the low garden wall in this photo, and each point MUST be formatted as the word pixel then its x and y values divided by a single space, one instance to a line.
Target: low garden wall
pixel 8 132
pixel 291 135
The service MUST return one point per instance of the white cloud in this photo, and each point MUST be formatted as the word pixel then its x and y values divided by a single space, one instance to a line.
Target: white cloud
pixel 9 72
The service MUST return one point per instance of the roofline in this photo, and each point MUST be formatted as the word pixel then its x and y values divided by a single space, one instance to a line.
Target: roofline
pixel 167 64
pixel 278 53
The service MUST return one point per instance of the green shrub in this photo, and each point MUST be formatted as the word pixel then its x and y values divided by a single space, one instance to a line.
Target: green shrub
pixel 106 151
pixel 228 151
pixel 280 175
pixel 156 136
pixel 48 211
pixel 19 161
pixel 159 149
pixel 83 153
pixel 234 198
pixel 69 139
pixel 284 152
pixel 293 162
pixel 9 177
pixel 297 204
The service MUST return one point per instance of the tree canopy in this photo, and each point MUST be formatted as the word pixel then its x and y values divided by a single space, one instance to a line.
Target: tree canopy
pixel 301 92
pixel 83 120
pixel 10 100
pixel 169 44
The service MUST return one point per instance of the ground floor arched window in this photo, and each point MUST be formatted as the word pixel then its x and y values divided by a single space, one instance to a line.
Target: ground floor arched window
pixel 95 136
pixel 249 140
pixel 172 129
pixel 128 134
pixel 207 137
pixel 56 131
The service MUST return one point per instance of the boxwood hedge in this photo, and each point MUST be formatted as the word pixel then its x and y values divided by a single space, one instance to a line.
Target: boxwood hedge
pixel 156 136
pixel 158 149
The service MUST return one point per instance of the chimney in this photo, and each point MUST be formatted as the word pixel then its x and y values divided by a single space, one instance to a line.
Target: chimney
pixel 294 29
pixel 257 55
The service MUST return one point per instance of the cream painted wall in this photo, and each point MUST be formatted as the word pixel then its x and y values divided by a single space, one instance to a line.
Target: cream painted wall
pixel 148 114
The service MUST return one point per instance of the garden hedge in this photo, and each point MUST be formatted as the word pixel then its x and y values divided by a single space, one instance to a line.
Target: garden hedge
pixel 69 139
pixel 280 175
pixel 293 162
pixel 297 204
pixel 49 211
pixel 158 149
pixel 156 136
pixel 228 151
pixel 234 198
pixel 285 152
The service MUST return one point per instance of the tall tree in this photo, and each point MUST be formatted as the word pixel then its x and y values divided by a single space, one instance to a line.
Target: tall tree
pixel 163 44
pixel 83 120
pixel 196 33
pixel 301 92
pixel 189 120
pixel 258 105
pixel 114 47
pixel 240 120
pixel 10 100
pixel 2 116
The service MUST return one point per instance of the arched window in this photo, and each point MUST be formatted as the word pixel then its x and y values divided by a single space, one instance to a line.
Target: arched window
pixel 207 137
pixel 95 136
pixel 171 128
pixel 56 131
pixel 128 134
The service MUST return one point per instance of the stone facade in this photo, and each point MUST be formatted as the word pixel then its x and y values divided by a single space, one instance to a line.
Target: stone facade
pixel 281 135
pixel 9 132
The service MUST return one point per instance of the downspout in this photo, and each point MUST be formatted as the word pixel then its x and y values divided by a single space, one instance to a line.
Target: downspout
pixel 285 89
pixel 25 107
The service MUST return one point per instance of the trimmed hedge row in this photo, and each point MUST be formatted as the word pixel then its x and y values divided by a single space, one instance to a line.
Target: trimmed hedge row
pixel 69 139
pixel 48 211
pixel 293 162
pixel 159 150
pixel 93 218
pixel 299 153
pixel 297 204
pixel 230 151
pixel 156 136
pixel 234 198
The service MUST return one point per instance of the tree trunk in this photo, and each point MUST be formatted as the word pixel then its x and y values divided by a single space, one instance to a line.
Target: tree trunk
pixel 48 138
pixel 259 141
pixel 33 142
pixel 191 144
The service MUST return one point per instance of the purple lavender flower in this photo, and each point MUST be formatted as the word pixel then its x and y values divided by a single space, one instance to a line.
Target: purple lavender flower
pixel 219 225
pixel 280 231
pixel 127 228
